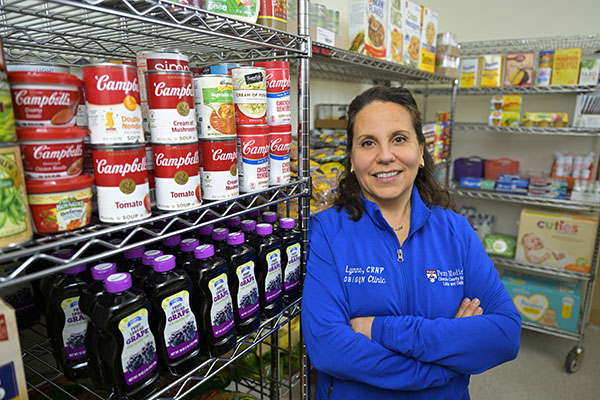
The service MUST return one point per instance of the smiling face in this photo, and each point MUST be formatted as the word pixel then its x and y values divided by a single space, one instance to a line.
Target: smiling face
pixel 533 241
pixel 385 152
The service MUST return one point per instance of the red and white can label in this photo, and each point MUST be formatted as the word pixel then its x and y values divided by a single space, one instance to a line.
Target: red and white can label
pixel 176 176
pixel 45 105
pixel 219 169
pixel 253 153
pixel 280 141
pixel 279 111
pixel 249 95
pixel 113 104
pixel 165 61
pixel 171 110
pixel 122 183
pixel 58 159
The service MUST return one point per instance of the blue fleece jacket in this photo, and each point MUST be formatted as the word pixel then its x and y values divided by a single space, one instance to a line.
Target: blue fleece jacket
pixel 418 349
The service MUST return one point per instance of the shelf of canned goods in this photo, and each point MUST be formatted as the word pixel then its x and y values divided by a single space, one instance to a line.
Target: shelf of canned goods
pixel 528 130
pixel 588 43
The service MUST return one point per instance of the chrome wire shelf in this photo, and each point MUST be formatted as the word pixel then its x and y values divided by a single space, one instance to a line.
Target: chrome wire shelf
pixel 490 91
pixel 93 241
pixel 75 32
pixel 590 44
pixel 475 127
pixel 551 331
pixel 539 269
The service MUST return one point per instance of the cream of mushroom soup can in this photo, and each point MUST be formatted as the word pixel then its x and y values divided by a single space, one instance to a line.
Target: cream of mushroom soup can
pixel 215 111
pixel 219 169
pixel 250 95
pixel 253 157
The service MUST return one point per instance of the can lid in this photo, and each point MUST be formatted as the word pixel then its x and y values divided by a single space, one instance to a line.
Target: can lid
pixel 273 64
pixel 248 225
pixel 254 214
pixel 76 269
pixel 188 245
pixel 204 251
pixel 119 282
pixel 233 221
pixel 101 271
pixel 135 253
pixel 220 233
pixel 50 133
pixel 65 254
pixel 264 229
pixel 287 223
pixel 109 64
pixel 206 230
pixel 167 72
pixel 43 77
pixel 59 185
pixel 235 238
pixel 280 128
pixel 269 216
pixel 172 241
pixel 164 263
pixel 150 255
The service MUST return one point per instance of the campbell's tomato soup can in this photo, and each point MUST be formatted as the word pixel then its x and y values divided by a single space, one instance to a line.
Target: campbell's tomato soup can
pixel 280 146
pixel 176 176
pixel 279 111
pixel 52 153
pixel 113 103
pixel 218 169
pixel 249 95
pixel 171 111
pixel 122 183
pixel 213 95
pixel 44 98
pixel 253 157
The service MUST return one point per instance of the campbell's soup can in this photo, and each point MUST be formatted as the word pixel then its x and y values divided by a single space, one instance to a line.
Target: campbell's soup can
pixel 113 103
pixel 38 67
pixel 149 157
pixel 220 69
pixel 213 96
pixel 249 95
pixel 279 111
pixel 171 110
pixel 253 157
pixel 219 169
pixel 176 176
pixel 121 182
pixel 167 61
pixel 280 146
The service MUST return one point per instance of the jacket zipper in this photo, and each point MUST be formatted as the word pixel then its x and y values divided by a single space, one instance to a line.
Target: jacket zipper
pixel 400 259
pixel 330 388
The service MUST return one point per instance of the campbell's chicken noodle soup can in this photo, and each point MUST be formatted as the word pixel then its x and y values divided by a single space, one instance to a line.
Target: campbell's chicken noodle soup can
pixel 253 157
pixel 7 115
pixel 171 110
pixel 121 182
pixel 219 169
pixel 215 111
pixel 176 176
pixel 249 95
pixel 279 111
pixel 280 146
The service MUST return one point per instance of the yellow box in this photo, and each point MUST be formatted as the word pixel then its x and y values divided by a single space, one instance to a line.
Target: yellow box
pixel 429 24
pixel 469 72
pixel 565 68
pixel 491 70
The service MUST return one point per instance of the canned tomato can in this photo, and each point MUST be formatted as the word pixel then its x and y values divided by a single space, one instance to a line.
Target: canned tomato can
pixel 176 176
pixel 220 69
pixel 218 169
pixel 253 157
pixel 249 95
pixel 113 103
pixel 278 92
pixel 7 115
pixel 171 111
pixel 15 224
pixel 213 95
pixel 122 182
pixel 280 145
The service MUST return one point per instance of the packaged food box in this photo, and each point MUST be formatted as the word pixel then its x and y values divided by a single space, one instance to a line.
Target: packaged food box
pixel 543 72
pixel 519 69
pixel 507 102
pixel 588 75
pixel 565 67
pixel 491 70
pixel 546 302
pixel 12 375
pixel 411 24
pixel 495 118
pixel 500 245
pixel 367 27
pixel 510 118
pixel 545 120
pixel 395 32
pixel 429 23
pixel 469 72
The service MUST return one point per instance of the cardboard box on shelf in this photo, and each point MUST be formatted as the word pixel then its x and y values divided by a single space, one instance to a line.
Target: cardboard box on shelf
pixel 411 24
pixel 429 24
pixel 519 69
pixel 469 72
pixel 491 70
pixel 590 69
pixel 12 375
pixel 565 68
pixel 395 31
pixel 367 27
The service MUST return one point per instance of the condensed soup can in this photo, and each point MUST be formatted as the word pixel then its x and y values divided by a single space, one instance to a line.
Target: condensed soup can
pixel 253 157
pixel 171 111
pixel 221 69
pixel 39 67
pixel 121 182
pixel 176 176
pixel 250 95
pixel 213 96
pixel 219 169
pixel 280 145
pixel 168 60
pixel 113 103
pixel 278 92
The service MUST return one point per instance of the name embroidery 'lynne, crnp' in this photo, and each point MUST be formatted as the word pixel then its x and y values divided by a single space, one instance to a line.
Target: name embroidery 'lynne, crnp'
pixel 360 275
pixel 451 277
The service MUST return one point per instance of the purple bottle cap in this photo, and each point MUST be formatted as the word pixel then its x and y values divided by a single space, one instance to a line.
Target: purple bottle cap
pixel 234 221
pixel 204 251
pixel 287 223
pixel 254 214
pixel 269 217
pixel 65 254
pixel 135 253
pixel 150 255
pixel 235 238
pixel 76 269
pixel 164 263
pixel 116 283
pixel 115 241
pixel 101 271
pixel 206 230
pixel 188 245
pixel 172 241
pixel 264 229
pixel 248 225
pixel 220 234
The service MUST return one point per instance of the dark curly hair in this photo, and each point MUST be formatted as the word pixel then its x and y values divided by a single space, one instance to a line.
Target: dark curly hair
pixel 349 192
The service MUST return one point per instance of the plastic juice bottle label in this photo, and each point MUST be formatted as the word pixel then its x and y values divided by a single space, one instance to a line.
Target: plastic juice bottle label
pixel 74 330
pixel 292 272
pixel 221 311
pixel 181 333
pixel 247 291
pixel 273 279
pixel 138 358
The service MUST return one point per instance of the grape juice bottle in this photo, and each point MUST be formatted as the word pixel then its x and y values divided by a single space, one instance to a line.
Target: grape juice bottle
pixel 172 320
pixel 219 239
pixel 243 286
pixel 249 229
pixel 144 268
pixel 270 217
pixel 118 258
pixel 291 251
pixel 268 270
pixel 212 300
pixel 233 224
pixel 131 259
pixel 89 296
pixel 204 234
pixel 67 324
pixel 170 245
pixel 47 281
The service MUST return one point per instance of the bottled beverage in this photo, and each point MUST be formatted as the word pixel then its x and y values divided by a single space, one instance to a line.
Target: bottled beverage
pixel 170 245
pixel 253 214
pixel 93 341
pixel 128 355
pixel 171 319
pixel 270 217
pixel 219 239
pixel 242 283
pixel 233 224
pixel 66 323
pixel 117 259
pixel 186 253
pixel 212 299
pixel 291 253
pixel 268 270
pixel 143 269
pixel 47 281
pixel 249 229
pixel 131 259
pixel 204 234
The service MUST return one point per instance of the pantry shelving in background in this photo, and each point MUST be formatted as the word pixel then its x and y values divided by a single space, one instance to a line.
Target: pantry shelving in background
pixel 527 130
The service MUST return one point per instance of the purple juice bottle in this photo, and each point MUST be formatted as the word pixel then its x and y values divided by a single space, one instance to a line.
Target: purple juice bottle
pixel 131 259
pixel 204 234
pixel 291 255
pixel 249 229
pixel 233 224
pixel 270 217
pixel 186 254
pixel 219 239
pixel 141 271
pixel 170 245
pixel 268 270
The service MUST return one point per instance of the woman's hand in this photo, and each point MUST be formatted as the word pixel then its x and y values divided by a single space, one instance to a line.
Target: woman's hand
pixel 469 308
pixel 362 325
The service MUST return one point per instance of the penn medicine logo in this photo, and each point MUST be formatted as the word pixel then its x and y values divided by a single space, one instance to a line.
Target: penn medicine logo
pixel 431 275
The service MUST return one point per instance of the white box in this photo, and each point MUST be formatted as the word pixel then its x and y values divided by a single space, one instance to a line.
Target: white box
pixel 395 32
pixel 367 27
pixel 429 25
pixel 588 74
pixel 411 24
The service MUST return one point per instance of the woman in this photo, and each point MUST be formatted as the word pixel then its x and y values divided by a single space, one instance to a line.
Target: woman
pixel 387 310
